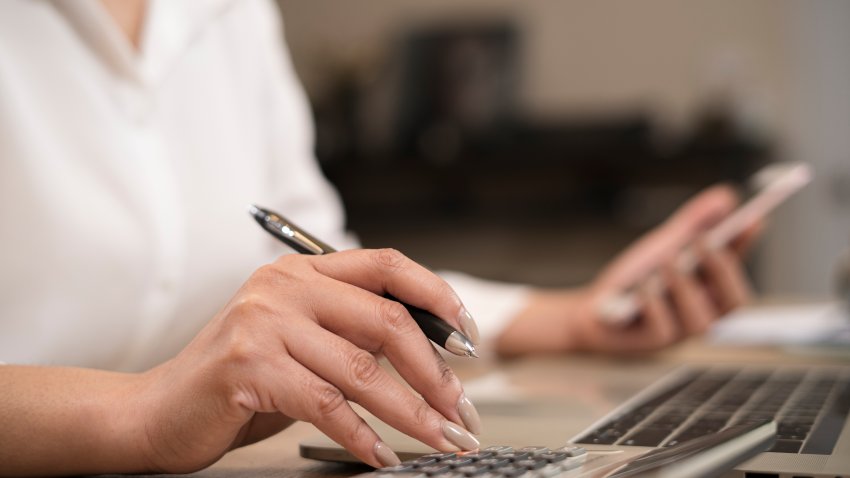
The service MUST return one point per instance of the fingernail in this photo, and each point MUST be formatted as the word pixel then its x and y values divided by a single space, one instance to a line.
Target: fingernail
pixel 385 455
pixel 469 415
pixel 469 327
pixel 459 436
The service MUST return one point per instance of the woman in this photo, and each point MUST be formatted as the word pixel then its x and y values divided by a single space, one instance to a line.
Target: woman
pixel 132 136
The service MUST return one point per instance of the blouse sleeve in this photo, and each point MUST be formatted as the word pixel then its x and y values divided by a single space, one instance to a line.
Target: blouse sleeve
pixel 492 304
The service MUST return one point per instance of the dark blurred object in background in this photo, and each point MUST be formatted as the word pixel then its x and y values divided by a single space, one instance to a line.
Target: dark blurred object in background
pixel 458 145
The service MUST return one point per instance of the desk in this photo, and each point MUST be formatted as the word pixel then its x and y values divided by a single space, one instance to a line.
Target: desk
pixel 569 393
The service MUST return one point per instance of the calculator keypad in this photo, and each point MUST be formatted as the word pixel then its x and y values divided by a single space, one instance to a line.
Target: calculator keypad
pixel 491 462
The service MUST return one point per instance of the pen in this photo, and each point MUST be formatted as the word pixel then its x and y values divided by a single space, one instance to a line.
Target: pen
pixel 436 329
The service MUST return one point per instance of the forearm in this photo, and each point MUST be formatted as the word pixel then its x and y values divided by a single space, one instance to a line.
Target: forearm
pixel 545 325
pixel 70 421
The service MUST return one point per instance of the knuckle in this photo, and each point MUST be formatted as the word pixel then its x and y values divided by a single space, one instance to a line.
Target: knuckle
pixel 287 267
pixel 393 315
pixel 363 370
pixel 252 305
pixel 328 400
pixel 421 414
pixel 390 258
pixel 267 274
pixel 447 375
pixel 360 433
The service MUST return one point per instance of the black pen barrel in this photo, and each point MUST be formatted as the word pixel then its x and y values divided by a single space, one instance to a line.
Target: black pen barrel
pixel 435 328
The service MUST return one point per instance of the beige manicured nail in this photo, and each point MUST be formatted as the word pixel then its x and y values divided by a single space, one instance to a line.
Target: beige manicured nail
pixel 469 327
pixel 459 436
pixel 469 415
pixel 385 455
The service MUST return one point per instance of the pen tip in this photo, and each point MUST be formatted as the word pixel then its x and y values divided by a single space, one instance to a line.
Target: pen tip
pixel 458 344
pixel 254 210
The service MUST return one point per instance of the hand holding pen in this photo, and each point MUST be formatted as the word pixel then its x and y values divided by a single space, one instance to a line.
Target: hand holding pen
pixel 298 341
pixel 331 314
pixel 436 329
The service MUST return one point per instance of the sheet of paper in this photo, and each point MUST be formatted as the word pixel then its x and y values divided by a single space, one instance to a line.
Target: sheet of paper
pixel 815 323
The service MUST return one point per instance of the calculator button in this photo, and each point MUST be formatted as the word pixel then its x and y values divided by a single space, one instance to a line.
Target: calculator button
pixel 515 456
pixel 437 469
pixel 397 468
pixel 440 456
pixel 496 462
pixel 498 449
pixel 511 471
pixel 477 455
pixel 535 450
pixel 531 464
pixel 422 461
pixel 472 470
pixel 573 462
pixel 573 450
pixel 457 462
pixel 550 470
pixel 553 456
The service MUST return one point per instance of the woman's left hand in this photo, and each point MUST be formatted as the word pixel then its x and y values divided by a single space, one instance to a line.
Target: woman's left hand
pixel 687 303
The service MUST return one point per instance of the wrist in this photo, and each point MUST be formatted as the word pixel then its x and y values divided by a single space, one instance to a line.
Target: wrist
pixel 545 325
pixel 124 411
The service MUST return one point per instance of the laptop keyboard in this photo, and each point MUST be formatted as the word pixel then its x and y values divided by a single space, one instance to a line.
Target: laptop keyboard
pixel 809 407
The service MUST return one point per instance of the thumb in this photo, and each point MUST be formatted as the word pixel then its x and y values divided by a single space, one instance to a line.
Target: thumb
pixel 701 212
pixel 663 243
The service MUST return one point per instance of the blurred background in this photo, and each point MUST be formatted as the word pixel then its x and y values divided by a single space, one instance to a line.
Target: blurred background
pixel 532 140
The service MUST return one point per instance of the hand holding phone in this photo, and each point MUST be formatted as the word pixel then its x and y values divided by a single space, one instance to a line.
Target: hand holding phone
pixel 778 182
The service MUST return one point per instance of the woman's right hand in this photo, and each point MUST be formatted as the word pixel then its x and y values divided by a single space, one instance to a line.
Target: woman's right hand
pixel 298 342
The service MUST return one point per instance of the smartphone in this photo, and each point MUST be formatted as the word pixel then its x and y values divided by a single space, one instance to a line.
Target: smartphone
pixel 774 184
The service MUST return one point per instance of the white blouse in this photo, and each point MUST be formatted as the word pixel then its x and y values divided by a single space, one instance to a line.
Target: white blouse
pixel 125 177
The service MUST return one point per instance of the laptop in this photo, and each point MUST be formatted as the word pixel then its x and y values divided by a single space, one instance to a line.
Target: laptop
pixel 809 406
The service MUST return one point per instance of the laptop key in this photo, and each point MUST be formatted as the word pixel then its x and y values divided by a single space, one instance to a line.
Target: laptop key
pixel 605 438
pixel 787 446
pixel 824 436
pixel 647 437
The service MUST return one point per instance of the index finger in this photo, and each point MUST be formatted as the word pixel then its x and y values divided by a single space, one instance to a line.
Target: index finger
pixel 383 271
